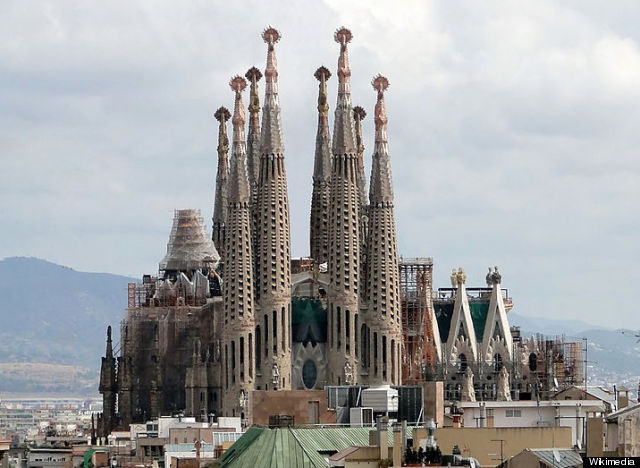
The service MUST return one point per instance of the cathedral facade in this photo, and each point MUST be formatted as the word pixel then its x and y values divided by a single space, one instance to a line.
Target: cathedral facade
pixel 231 312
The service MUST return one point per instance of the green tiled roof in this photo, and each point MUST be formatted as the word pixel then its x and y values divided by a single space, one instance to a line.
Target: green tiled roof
pixel 287 447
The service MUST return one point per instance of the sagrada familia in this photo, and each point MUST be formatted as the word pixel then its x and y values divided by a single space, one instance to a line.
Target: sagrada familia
pixel 231 312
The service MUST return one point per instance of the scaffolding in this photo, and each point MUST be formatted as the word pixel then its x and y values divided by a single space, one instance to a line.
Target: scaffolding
pixel 560 364
pixel 419 356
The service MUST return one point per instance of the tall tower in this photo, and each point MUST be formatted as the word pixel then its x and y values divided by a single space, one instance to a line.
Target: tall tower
pixel 363 203
pixel 344 231
pixel 220 206
pixel 239 322
pixel 321 175
pixel 253 138
pixel 273 282
pixel 108 388
pixel 358 115
pixel 383 290
pixel 253 158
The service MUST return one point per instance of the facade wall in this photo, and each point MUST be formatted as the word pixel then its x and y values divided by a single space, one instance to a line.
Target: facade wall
pixel 301 404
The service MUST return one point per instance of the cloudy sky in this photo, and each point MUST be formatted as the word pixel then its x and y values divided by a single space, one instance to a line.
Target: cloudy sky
pixel 513 131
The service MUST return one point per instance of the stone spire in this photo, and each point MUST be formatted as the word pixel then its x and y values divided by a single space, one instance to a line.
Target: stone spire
pixel 239 322
pixel 321 175
pixel 253 138
pixel 253 158
pixel 344 140
pixel 383 289
pixel 363 202
pixel 344 231
pixel 273 279
pixel 108 388
pixel 220 206
pixel 358 115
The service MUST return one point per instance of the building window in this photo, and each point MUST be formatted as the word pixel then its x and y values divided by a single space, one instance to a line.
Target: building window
pixel 513 413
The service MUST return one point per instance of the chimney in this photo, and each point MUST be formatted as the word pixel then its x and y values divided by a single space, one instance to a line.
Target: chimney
pixel 397 445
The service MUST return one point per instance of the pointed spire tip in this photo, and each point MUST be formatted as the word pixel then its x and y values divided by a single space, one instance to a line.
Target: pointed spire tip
pixel 222 114
pixel 343 35
pixel 271 35
pixel 359 112
pixel 238 84
pixel 322 72
pixel 253 73
pixel 380 83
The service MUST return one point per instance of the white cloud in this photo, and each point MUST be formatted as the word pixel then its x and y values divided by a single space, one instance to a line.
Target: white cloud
pixel 512 127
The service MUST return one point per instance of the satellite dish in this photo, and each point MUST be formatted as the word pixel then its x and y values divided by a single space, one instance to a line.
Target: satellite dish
pixel 556 455
pixel 555 383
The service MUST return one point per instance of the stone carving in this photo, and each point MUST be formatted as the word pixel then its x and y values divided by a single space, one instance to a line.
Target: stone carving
pixel 503 391
pixel 468 393
pixel 493 277
pixel 458 277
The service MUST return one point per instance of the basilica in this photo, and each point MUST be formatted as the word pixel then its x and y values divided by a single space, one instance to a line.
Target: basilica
pixel 230 312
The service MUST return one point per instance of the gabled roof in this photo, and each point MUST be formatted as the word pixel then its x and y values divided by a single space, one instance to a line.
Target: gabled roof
pixel 629 409
pixel 558 458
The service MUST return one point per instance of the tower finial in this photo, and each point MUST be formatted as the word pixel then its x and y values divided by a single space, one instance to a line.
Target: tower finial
pixel 238 84
pixel 109 352
pixel 222 115
pixel 254 75
pixel 343 36
pixel 322 74
pixel 358 115
pixel 271 36
pixel 380 84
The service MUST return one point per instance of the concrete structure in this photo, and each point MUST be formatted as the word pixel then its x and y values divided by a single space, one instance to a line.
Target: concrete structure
pixel 302 406
pixel 623 432
pixel 49 458
pixel 521 414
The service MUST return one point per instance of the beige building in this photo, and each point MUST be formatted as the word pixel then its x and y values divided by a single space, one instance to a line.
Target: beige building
pixel 490 446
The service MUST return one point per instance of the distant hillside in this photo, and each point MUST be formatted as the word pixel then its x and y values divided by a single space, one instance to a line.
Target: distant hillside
pixel 50 314
pixel 550 327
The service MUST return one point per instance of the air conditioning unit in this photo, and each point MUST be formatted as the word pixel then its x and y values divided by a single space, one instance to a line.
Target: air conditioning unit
pixel 361 417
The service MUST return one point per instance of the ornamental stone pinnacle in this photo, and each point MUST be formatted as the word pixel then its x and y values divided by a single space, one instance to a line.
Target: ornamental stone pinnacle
pixel 253 138
pixel 321 175
pixel 344 230
pixel 344 141
pixel 271 140
pixel 363 201
pixel 239 184
pixel 273 278
pixel 253 157
pixel 382 258
pixel 381 187
pixel 239 321
pixel 222 176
